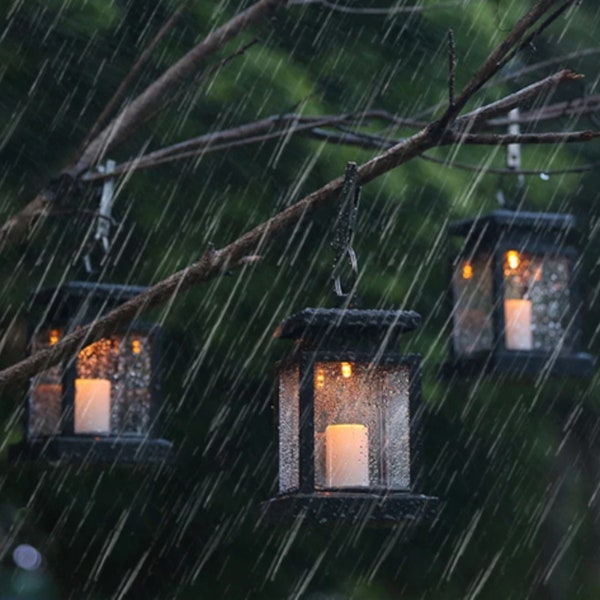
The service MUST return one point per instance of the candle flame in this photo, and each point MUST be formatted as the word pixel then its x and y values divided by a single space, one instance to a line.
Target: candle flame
pixel 513 259
pixel 54 336
pixel 320 378
pixel 136 346
pixel 346 370
pixel 467 270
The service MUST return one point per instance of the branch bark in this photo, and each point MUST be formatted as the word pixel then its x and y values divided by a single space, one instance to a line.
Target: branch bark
pixel 216 262
pixel 134 114
pixel 131 117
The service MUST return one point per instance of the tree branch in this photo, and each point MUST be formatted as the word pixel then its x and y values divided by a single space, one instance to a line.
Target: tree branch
pixel 129 119
pixel 126 83
pixel 393 10
pixel 502 54
pixel 490 139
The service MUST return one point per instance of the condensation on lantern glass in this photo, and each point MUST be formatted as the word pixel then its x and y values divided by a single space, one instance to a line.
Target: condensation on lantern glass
pixel 45 394
pixel 537 302
pixel 289 432
pixel 362 426
pixel 472 297
pixel 124 361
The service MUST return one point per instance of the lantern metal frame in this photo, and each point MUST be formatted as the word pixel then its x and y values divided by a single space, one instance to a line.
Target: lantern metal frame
pixel 539 234
pixel 355 336
pixel 69 307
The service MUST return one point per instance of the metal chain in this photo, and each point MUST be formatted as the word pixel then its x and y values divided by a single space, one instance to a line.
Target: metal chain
pixel 103 218
pixel 513 162
pixel 343 234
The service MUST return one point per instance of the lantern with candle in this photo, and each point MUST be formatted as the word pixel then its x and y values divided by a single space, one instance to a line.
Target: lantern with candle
pixel 515 306
pixel 102 405
pixel 349 406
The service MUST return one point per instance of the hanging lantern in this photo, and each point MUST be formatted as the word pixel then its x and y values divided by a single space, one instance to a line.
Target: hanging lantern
pixel 515 307
pixel 348 418
pixel 101 406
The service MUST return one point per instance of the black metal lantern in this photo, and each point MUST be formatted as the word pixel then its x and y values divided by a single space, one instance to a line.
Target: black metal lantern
pixel 515 307
pixel 348 418
pixel 100 406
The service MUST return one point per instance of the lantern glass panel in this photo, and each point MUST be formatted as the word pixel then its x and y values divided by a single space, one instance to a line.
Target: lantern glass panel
pixel 46 391
pixel 472 292
pixel 113 388
pixel 536 302
pixel 125 363
pixel 289 390
pixel 361 424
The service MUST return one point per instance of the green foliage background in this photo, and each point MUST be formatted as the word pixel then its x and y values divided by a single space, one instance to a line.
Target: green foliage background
pixel 516 466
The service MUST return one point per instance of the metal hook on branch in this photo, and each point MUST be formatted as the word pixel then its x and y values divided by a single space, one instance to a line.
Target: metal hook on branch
pixel 513 162
pixel 343 236
pixel 103 217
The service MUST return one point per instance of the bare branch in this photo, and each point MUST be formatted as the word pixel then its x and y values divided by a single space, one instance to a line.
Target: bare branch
pixel 266 129
pixel 451 66
pixel 568 108
pixel 527 94
pixel 392 10
pixel 132 115
pixel 292 124
pixel 126 83
pixel 546 63
pixel 490 139
pixel 15 229
pixel 503 53
pixel 497 171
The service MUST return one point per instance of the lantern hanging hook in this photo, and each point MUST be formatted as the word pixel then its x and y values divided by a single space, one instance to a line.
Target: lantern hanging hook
pixel 343 235
pixel 513 159
pixel 103 217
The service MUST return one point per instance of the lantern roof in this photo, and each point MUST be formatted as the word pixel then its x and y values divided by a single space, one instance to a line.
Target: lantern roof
pixel 63 301
pixel 332 321
pixel 504 220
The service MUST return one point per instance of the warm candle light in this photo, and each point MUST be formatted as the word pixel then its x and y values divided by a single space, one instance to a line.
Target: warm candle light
pixel 347 455
pixel 346 370
pixel 320 378
pixel 92 406
pixel 54 336
pixel 513 259
pixel 136 346
pixel 517 317
pixel 467 270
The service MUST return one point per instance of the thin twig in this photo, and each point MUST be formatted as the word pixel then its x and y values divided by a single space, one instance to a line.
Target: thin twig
pixel 16 228
pixel 527 94
pixel 255 132
pixel 568 108
pixel 135 113
pixel 393 10
pixel 451 66
pixel 253 242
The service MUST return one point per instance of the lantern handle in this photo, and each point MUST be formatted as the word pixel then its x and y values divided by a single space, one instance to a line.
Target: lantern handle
pixel 513 161
pixel 103 217
pixel 343 235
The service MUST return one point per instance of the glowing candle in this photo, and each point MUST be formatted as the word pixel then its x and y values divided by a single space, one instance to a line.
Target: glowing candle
pixel 347 455
pixel 517 318
pixel 92 406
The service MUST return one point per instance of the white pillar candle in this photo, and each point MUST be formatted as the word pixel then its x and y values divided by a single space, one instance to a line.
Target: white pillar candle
pixel 517 319
pixel 347 455
pixel 92 406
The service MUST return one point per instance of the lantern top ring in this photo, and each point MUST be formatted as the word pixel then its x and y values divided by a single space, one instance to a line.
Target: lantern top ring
pixel 507 219
pixel 337 320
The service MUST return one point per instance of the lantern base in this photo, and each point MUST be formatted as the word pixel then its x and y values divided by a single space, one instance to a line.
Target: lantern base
pixel 93 449
pixel 521 364
pixel 340 507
